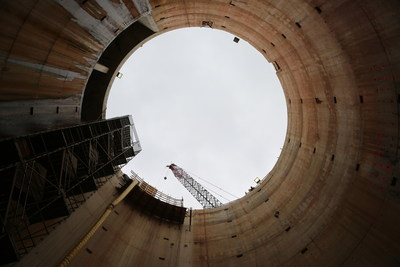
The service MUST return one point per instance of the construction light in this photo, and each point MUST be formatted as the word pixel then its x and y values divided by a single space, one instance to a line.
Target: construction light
pixel 119 75
pixel 257 180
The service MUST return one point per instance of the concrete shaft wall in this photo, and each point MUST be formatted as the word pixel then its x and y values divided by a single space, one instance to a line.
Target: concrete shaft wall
pixel 332 198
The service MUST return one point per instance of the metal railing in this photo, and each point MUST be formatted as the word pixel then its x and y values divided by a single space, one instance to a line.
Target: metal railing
pixel 155 193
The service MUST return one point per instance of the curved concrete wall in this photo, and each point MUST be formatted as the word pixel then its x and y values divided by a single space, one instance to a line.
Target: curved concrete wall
pixel 332 198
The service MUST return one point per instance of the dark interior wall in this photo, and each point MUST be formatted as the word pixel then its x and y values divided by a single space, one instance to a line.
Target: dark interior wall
pixel 96 88
pixel 48 52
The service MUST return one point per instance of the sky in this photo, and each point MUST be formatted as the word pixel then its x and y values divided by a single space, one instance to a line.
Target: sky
pixel 212 106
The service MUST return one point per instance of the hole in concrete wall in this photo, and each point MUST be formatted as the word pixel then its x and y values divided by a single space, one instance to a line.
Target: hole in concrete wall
pixel 89 251
pixel 334 99
pixel 301 100
pixel 57 110
pixel 304 250
pixel 272 44
pixel 162 18
pixel 298 25
pixel 332 157
pixel 226 209
pixel 357 166
pixel 223 27
pixel 289 140
pixel 31 111
pixel 116 212
pixel 284 36
pixel 266 200
pixel 231 3
pixel 288 229
pixel 394 181
pixel 105 229
pixel 290 101
pixel 318 9
pixel 228 55
pixel 264 51
pixel 315 149
pixel 76 109
pixel 229 221
pixel 227 17
pixel 161 258
pixel 300 144
pixel 185 245
pixel 103 18
pixel 361 99
pixel 234 236
pixel 240 255
pixel 398 98
pixel 276 214
pixel 166 238
pixel 276 65
pixel 157 6
pixel 207 23
pixel 318 101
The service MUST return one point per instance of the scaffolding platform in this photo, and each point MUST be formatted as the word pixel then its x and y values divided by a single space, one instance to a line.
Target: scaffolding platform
pixel 47 175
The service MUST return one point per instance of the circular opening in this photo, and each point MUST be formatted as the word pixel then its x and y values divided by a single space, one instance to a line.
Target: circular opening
pixel 207 103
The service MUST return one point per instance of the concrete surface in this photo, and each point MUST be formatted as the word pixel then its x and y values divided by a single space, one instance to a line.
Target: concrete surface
pixel 336 184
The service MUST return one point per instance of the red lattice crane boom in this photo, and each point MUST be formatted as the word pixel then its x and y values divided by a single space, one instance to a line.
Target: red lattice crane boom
pixel 205 198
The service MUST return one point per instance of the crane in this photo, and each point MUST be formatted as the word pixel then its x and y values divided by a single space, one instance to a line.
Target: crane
pixel 205 198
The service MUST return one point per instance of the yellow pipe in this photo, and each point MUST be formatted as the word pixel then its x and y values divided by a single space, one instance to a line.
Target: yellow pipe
pixel 71 255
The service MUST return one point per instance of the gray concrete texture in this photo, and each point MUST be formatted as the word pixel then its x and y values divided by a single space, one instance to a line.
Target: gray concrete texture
pixel 333 197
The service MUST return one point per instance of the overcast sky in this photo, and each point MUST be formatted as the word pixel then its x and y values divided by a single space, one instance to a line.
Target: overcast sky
pixel 212 106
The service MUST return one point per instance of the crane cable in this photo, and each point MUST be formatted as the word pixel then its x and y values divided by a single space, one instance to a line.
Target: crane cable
pixel 192 174
pixel 212 185
pixel 217 193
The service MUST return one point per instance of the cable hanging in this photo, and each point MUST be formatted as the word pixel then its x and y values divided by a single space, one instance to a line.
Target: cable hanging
pixel 229 200
pixel 212 184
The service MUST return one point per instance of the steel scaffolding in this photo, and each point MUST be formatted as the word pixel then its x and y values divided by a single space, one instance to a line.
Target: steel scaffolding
pixel 45 176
